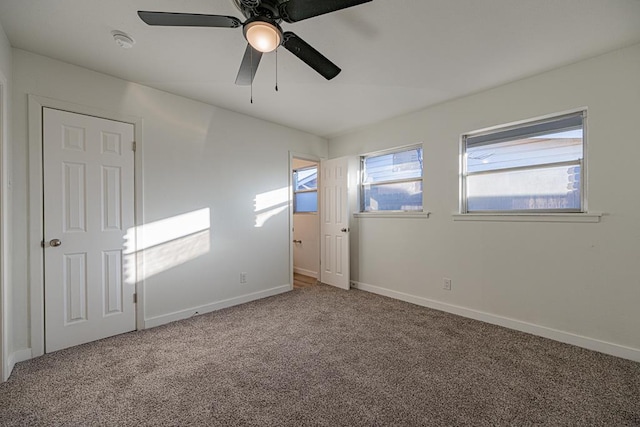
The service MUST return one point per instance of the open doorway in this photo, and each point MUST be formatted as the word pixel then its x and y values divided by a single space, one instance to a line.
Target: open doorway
pixel 306 222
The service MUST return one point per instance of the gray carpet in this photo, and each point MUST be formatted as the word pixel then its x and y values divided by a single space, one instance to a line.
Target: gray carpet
pixel 321 356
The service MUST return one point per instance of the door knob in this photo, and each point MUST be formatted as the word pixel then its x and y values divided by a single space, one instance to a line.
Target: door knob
pixel 344 230
pixel 55 242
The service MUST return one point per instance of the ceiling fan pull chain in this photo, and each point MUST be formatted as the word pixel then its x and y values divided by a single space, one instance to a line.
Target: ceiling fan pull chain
pixel 252 75
pixel 276 70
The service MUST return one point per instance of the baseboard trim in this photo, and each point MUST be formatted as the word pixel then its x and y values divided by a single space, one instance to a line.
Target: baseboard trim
pixel 304 272
pixel 207 308
pixel 17 357
pixel 543 331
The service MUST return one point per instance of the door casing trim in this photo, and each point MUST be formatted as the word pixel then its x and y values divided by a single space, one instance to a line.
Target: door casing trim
pixel 36 208
pixel 5 364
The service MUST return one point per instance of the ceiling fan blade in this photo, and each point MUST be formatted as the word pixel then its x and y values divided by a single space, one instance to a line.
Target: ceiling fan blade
pixel 310 56
pixel 249 66
pixel 297 10
pixel 188 19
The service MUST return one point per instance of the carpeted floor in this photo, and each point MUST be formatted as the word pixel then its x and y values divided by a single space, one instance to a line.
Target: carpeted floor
pixel 322 356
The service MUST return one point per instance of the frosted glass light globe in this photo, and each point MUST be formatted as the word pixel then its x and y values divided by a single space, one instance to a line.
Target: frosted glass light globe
pixel 263 36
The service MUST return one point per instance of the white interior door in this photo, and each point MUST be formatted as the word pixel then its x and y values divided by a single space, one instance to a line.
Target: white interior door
pixel 334 252
pixel 88 207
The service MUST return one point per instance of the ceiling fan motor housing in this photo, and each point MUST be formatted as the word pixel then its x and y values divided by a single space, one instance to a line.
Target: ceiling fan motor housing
pixel 250 3
pixel 266 8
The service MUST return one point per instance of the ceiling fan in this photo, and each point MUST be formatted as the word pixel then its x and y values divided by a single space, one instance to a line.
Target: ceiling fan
pixel 262 30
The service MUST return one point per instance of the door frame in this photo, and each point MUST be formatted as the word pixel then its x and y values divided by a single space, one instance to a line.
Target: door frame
pixel 5 369
pixel 36 208
pixel 310 158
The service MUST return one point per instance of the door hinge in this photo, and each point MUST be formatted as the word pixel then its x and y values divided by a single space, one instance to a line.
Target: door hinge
pixel 133 146
pixel 135 298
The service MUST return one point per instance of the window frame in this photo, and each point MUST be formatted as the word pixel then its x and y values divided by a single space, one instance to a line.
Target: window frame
pixel 295 204
pixel 463 199
pixel 363 157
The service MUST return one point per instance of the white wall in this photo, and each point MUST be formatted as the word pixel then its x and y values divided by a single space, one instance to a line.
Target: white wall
pixel 306 255
pixel 196 156
pixel 582 279
pixel 306 226
pixel 5 193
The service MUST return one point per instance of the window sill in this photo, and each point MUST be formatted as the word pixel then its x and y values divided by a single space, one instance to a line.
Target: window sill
pixel 424 215
pixel 530 217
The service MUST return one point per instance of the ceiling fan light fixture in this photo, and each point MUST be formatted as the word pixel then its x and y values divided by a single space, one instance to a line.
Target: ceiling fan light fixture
pixel 263 36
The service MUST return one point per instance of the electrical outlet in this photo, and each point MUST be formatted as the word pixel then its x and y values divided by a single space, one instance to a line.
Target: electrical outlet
pixel 446 284
pixel 243 278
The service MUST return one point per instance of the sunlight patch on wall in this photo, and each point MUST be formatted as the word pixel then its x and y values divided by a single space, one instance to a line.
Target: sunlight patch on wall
pixel 270 204
pixel 166 243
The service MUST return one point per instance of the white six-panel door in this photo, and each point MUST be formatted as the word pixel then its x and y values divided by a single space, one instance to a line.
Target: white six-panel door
pixel 88 207
pixel 334 256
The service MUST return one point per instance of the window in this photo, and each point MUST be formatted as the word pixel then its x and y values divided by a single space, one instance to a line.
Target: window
pixel 537 166
pixel 392 181
pixel 305 190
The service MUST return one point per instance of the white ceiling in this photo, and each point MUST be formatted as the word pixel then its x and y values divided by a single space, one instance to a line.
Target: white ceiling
pixel 397 56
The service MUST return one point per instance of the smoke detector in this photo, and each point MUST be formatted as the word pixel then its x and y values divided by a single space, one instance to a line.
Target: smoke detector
pixel 123 39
